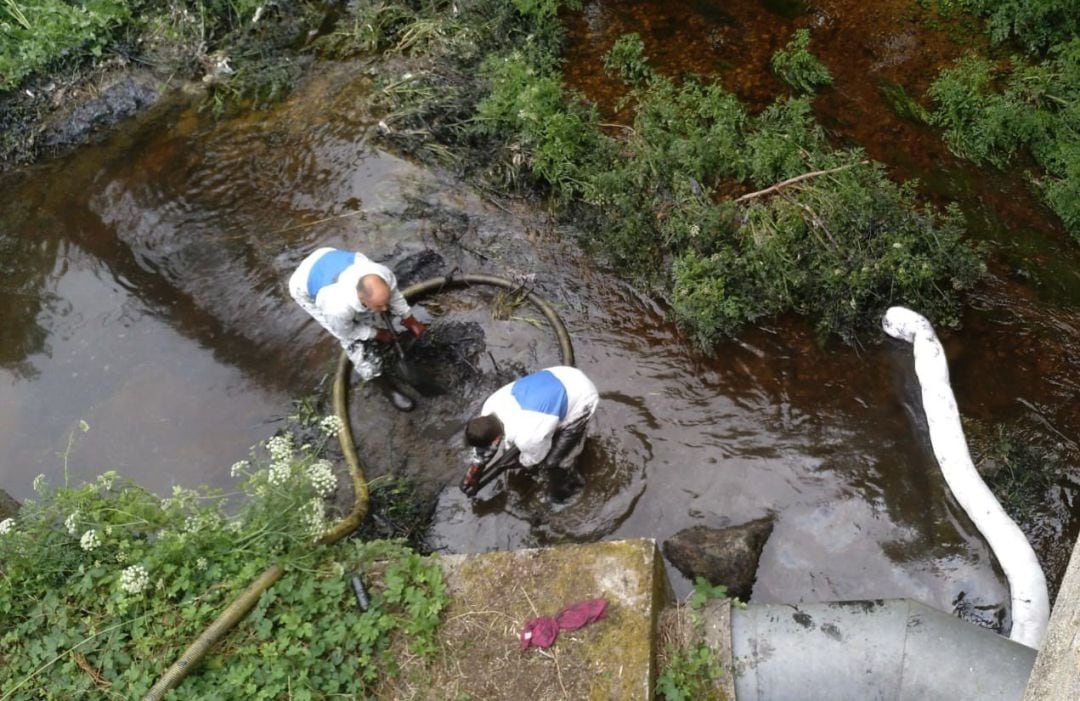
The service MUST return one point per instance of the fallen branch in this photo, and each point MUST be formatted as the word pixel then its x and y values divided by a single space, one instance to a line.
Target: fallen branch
pixel 796 179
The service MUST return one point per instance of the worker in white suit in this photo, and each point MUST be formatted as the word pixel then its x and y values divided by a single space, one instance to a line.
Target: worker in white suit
pixel 347 293
pixel 540 419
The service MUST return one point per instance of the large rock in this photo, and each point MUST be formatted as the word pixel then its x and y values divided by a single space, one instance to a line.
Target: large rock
pixel 727 556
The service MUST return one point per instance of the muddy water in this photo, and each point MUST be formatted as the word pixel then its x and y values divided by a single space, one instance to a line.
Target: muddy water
pixel 149 300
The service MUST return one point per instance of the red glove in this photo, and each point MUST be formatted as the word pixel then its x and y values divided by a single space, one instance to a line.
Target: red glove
pixel 384 336
pixel 412 324
pixel 468 483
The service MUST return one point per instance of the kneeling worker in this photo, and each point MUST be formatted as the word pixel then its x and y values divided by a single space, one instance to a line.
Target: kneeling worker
pixel 540 419
pixel 346 293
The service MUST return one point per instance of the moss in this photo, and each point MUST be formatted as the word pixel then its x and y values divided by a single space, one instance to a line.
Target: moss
pixel 494 594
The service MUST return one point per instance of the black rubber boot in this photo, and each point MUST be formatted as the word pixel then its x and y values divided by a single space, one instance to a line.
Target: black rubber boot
pixel 390 389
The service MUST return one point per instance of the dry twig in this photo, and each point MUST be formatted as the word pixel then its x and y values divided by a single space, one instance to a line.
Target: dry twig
pixel 797 179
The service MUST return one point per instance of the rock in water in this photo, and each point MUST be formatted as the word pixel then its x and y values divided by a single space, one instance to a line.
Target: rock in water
pixel 727 556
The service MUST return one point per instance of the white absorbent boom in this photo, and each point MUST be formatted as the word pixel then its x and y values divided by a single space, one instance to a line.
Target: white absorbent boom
pixel 1027 583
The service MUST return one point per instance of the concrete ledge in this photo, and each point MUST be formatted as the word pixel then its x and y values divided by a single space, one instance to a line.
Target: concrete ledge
pixel 1056 675
pixel 492 595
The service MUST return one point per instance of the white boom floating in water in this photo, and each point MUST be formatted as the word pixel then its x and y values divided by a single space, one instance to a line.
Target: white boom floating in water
pixel 1027 583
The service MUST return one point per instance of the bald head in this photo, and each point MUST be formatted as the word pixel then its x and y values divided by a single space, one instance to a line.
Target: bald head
pixel 374 292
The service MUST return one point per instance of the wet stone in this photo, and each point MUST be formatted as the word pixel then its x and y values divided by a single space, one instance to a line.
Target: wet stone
pixel 727 556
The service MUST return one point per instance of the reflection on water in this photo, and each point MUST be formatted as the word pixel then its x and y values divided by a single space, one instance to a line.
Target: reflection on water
pixel 153 269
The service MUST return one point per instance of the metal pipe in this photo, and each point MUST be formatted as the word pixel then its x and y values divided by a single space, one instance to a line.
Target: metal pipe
pixel 897 649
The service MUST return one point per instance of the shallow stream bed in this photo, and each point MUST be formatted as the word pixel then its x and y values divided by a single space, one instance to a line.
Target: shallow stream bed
pixel 144 293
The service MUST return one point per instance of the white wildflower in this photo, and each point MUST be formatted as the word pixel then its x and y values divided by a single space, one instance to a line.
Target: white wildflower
pixel 200 522
pixel 314 514
pixel 134 579
pixel 323 479
pixel 89 540
pixel 106 480
pixel 39 483
pixel 71 523
pixel 200 564
pixel 279 472
pixel 235 526
pixel 280 448
pixel 695 229
pixel 332 425
pixel 239 468
pixel 108 530
pixel 7 525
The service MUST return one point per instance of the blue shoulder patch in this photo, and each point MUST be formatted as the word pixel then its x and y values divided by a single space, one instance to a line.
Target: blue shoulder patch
pixel 541 392
pixel 327 269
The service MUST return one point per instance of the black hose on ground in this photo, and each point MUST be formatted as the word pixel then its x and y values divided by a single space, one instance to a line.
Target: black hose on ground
pixel 239 608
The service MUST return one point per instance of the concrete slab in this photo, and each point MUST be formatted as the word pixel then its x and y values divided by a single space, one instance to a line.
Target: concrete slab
pixel 1056 674
pixel 493 595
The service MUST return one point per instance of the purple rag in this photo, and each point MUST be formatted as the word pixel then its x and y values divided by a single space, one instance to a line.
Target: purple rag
pixel 542 631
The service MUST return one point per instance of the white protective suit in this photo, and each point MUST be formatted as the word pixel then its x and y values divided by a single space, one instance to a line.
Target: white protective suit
pixel 534 407
pixel 325 283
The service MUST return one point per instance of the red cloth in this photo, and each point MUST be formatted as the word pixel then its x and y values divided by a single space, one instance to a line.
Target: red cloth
pixel 542 631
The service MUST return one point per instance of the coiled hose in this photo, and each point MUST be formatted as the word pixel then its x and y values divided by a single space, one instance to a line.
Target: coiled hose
pixel 242 604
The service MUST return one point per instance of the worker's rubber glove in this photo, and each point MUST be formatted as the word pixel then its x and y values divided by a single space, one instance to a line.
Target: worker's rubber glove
pixel 384 336
pixel 413 324
pixel 469 482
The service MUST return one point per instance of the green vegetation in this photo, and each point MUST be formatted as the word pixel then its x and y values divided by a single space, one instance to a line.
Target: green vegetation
pixel 102 586
pixel 479 85
pixel 690 669
pixel 658 196
pixel 34 34
pixel 1034 24
pixel 627 61
pixel 1010 113
pixel 248 52
pixel 1020 467
pixel 998 114
pixel 796 66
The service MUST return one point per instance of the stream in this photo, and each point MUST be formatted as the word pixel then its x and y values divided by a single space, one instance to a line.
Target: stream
pixel 144 292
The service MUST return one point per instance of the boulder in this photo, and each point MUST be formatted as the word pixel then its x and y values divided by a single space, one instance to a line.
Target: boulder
pixel 727 556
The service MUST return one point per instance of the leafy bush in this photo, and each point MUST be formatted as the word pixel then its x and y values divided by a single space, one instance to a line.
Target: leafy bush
pixel 626 60
pixel 35 33
pixel 656 197
pixel 992 114
pixel 1036 24
pixel 796 66
pixel 105 584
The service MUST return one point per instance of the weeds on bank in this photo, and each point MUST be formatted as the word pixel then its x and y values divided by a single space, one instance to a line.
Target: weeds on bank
pixel 1002 114
pixel 103 585
pixel 796 66
pixel 1022 469
pixel 681 198
pixel 689 668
